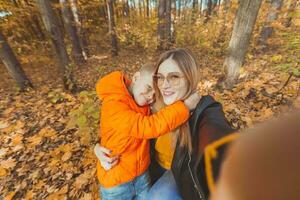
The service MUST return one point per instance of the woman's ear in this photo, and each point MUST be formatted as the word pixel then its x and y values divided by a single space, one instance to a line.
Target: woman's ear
pixel 136 76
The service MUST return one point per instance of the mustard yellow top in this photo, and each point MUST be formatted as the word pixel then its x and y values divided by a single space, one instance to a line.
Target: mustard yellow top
pixel 164 150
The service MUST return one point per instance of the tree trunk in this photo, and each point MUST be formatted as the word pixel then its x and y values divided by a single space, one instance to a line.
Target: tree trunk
pixel 291 8
pixel 200 7
pixel 31 28
pixel 173 18
pixel 179 9
pixel 267 30
pixel 195 10
pixel 40 32
pixel 80 29
pixel 226 5
pixel 208 11
pixel 140 8
pixel 127 8
pixel 52 26
pixel 148 8
pixel 168 24
pixel 15 3
pixel 161 24
pixel 240 38
pixel 102 10
pixel 195 5
pixel 13 65
pixel 71 28
pixel 112 29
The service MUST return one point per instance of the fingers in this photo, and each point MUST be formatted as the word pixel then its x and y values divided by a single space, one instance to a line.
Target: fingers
pixel 107 166
pixel 115 162
pixel 103 154
pixel 109 159
pixel 105 150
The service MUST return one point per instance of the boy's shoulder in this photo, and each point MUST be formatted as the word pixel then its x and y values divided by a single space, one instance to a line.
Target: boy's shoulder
pixel 114 74
pixel 113 85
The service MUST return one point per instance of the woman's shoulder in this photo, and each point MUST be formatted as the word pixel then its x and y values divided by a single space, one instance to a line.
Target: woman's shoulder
pixel 204 103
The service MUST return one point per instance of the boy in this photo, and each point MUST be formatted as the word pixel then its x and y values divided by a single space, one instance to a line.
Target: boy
pixel 126 126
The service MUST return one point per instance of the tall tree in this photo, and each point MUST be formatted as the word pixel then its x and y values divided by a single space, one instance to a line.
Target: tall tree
pixel 173 18
pixel 140 8
pixel 208 10
pixel 112 28
pixel 80 29
pixel 161 24
pixel 54 30
pixel 179 9
pixel 291 8
pixel 200 6
pixel 147 8
pixel 195 9
pixel 164 32
pixel 227 5
pixel 103 10
pixel 240 38
pixel 39 30
pixel 70 25
pixel 267 29
pixel 12 64
pixel 125 8
pixel 168 23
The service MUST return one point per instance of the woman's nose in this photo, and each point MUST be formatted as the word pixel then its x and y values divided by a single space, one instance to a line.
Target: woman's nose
pixel 165 84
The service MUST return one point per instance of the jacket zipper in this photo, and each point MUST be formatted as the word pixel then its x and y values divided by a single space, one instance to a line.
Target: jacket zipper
pixel 195 185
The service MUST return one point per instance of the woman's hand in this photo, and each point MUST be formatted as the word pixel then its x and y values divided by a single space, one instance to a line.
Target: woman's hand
pixel 103 156
pixel 192 101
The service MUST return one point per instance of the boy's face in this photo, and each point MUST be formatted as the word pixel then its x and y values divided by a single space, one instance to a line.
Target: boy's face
pixel 143 91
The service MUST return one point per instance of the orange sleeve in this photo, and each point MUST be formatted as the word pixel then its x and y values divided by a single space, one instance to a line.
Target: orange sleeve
pixel 138 125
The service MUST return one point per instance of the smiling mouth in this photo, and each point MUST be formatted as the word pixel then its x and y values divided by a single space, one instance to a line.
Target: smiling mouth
pixel 167 93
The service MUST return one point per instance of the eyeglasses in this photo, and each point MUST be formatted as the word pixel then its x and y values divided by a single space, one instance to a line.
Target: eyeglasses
pixel 172 78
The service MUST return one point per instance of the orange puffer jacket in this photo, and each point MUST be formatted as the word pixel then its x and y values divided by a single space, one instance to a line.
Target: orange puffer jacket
pixel 125 129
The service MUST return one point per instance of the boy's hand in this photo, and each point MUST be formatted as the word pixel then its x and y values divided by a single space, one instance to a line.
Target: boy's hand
pixel 192 101
pixel 106 161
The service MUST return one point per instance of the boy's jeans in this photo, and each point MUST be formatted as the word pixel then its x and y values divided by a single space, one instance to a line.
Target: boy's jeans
pixel 136 189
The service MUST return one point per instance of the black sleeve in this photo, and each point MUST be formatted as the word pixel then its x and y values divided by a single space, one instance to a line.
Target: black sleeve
pixel 213 125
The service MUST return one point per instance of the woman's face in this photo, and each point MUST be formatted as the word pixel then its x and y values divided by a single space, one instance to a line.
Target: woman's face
pixel 171 82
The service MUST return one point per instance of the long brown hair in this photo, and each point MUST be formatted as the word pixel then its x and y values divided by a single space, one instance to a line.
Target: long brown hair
pixel 190 69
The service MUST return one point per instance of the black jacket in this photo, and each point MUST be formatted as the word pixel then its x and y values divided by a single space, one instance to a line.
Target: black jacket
pixel 207 124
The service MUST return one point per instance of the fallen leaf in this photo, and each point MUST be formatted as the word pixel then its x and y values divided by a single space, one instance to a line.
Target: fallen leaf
pixel 34 140
pixel 66 156
pixel 81 181
pixel 87 196
pixel 29 195
pixel 3 171
pixel 10 196
pixel 8 111
pixel 63 190
pixel 8 164
pixel 2 152
pixel 17 139
pixel 39 185
pixel 47 132
pixel 3 125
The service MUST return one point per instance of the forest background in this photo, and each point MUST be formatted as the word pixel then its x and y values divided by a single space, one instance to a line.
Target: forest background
pixel 54 51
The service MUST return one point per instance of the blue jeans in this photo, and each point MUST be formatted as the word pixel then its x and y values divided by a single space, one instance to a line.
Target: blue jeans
pixel 136 189
pixel 164 188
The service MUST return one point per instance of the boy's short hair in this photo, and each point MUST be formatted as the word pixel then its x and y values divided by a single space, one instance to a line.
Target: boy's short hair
pixel 147 68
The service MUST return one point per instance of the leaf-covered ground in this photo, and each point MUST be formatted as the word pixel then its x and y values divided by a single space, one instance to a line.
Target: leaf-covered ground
pixel 42 158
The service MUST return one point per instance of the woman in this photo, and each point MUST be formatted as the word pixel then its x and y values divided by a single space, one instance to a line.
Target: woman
pixel 178 160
